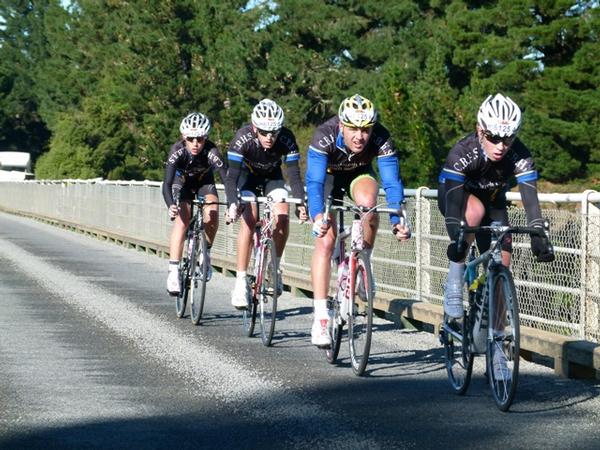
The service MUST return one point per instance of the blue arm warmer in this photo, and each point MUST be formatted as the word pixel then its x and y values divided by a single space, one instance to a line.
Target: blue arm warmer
pixel 316 170
pixel 389 171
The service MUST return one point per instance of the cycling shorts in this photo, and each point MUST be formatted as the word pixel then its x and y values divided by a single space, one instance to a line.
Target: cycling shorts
pixel 495 211
pixel 340 183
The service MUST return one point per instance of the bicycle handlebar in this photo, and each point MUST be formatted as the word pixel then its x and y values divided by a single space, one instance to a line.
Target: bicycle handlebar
pixel 500 231
pixel 268 198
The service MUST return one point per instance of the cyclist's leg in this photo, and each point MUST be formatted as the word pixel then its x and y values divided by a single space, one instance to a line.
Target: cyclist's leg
pixel 177 238
pixel 180 223
pixel 276 188
pixel 474 212
pixel 364 189
pixel 241 290
pixel 321 271
pixel 211 212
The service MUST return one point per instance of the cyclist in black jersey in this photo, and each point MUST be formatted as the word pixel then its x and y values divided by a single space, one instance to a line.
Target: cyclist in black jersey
pixel 340 158
pixel 189 173
pixel 255 155
pixel 473 185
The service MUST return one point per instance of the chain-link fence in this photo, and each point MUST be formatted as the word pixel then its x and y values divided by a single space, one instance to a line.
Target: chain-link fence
pixel 561 297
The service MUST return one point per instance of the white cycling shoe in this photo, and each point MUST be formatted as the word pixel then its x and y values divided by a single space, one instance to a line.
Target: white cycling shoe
pixel 241 293
pixel 320 332
pixel 173 286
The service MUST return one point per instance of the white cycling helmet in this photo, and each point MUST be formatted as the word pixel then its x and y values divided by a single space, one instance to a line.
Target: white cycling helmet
pixel 499 115
pixel 195 125
pixel 267 115
pixel 357 111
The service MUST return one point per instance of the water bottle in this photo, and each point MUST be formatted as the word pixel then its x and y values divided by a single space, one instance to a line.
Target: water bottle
pixel 342 285
pixel 357 234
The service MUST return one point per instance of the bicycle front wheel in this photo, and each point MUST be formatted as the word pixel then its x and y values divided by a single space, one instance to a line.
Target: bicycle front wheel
pixel 184 276
pixel 268 292
pixel 360 319
pixel 458 358
pixel 504 345
pixel 198 281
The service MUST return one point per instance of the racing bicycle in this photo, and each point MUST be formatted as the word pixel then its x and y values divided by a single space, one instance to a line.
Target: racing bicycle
pixel 490 324
pixel 352 303
pixel 193 266
pixel 266 284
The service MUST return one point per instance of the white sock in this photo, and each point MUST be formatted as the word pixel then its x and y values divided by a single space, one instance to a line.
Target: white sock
pixel 320 305
pixel 173 265
pixel 240 274
pixel 456 272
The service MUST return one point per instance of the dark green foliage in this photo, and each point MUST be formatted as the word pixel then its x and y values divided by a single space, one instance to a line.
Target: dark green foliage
pixel 98 89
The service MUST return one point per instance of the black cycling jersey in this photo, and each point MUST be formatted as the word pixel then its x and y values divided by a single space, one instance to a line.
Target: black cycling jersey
pixel 191 171
pixel 246 153
pixel 328 140
pixel 467 169
pixel 467 162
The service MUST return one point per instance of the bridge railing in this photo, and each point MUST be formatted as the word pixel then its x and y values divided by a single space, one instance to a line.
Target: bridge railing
pixel 562 297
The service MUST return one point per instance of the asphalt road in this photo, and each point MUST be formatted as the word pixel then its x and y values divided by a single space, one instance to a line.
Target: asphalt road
pixel 92 356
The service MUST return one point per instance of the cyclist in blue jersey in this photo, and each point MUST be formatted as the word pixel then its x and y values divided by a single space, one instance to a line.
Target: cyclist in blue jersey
pixel 189 173
pixel 255 156
pixel 340 160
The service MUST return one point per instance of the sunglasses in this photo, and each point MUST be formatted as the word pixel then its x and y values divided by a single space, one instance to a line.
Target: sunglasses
pixel 197 138
pixel 495 139
pixel 265 133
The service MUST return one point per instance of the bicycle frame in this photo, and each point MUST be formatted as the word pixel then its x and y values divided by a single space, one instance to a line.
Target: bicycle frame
pixel 344 303
pixel 194 237
pixel 498 298
pixel 263 240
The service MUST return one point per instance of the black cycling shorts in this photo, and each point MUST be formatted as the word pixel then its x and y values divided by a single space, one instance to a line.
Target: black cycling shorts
pixel 495 211
pixel 340 183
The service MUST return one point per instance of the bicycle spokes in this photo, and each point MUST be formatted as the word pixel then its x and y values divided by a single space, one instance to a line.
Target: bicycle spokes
pixel 360 320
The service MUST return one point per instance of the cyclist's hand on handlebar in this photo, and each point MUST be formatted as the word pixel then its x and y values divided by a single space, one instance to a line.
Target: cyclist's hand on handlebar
pixel 402 232
pixel 320 227
pixel 173 211
pixel 301 213
pixel 542 249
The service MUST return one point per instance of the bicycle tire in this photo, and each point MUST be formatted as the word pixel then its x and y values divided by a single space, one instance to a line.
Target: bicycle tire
pixel 198 281
pixel 184 276
pixel 336 332
pixel 268 292
pixel 458 358
pixel 249 318
pixel 360 320
pixel 503 383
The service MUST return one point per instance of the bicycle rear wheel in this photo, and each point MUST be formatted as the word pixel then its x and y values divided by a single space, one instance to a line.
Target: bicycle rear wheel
pixel 360 320
pixel 504 346
pixel 268 292
pixel 336 332
pixel 458 358
pixel 198 281
pixel 184 277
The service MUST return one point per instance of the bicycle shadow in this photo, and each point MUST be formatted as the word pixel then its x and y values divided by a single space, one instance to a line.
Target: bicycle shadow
pixel 412 362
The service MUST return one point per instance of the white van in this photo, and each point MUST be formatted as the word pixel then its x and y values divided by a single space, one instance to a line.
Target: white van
pixel 15 166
